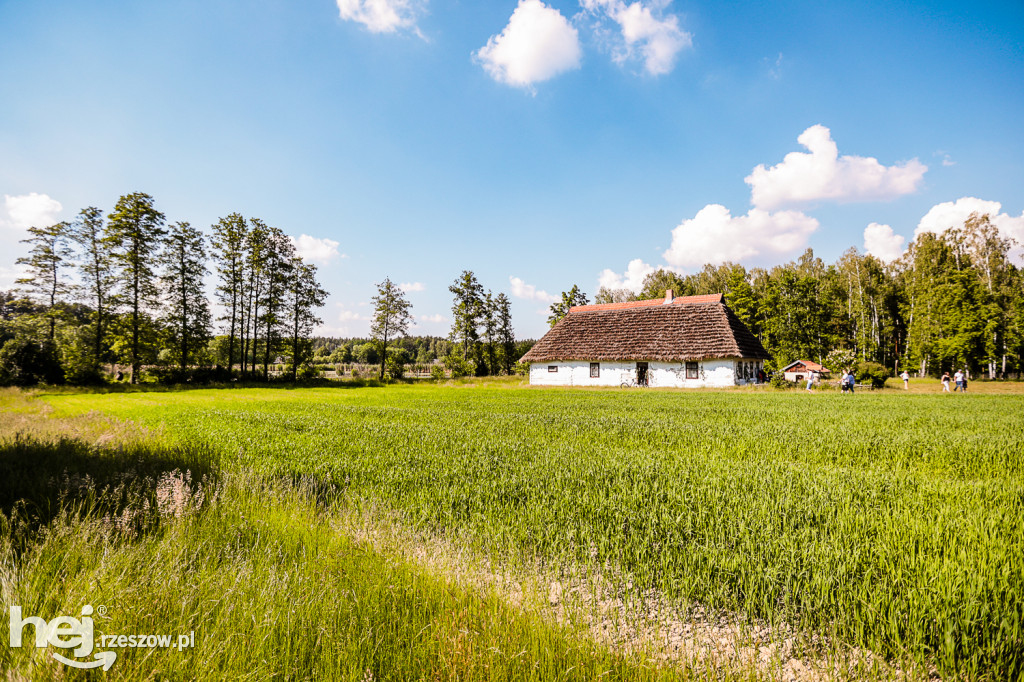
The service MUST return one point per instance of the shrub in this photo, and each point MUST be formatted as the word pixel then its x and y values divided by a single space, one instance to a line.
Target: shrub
pixel 27 362
pixel 459 366
pixel 871 372
pixel 437 373
pixel 394 368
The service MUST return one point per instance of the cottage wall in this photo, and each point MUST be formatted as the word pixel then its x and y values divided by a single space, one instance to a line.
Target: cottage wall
pixel 711 373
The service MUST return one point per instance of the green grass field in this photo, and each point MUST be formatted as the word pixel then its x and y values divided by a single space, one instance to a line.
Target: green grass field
pixel 889 521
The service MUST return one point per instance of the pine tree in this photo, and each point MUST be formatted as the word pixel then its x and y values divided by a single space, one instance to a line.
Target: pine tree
pixel 506 335
pixel 279 256
pixel 134 234
pixel 305 295
pixel 466 312
pixel 255 277
pixel 229 238
pixel 96 274
pixel 489 319
pixel 188 311
pixel 45 263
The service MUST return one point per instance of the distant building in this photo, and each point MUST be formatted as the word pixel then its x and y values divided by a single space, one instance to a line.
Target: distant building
pixel 686 341
pixel 798 371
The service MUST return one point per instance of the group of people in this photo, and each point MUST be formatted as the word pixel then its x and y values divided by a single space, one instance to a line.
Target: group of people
pixel 847 382
pixel 960 378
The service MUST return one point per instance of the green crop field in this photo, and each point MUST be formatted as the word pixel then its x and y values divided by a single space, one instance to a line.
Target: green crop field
pixel 886 521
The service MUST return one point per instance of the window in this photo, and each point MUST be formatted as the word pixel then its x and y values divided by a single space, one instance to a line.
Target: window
pixel 552 368
pixel 691 370
pixel 595 370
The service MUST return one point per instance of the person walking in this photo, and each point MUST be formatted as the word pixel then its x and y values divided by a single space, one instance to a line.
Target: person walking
pixel 810 381
pixel 945 382
pixel 963 386
pixel 958 378
pixel 906 380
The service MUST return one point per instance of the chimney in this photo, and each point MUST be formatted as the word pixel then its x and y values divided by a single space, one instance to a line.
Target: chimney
pixel 668 297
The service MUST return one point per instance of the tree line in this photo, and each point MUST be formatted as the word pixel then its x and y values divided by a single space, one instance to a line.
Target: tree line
pixel 481 342
pixel 953 300
pixel 128 289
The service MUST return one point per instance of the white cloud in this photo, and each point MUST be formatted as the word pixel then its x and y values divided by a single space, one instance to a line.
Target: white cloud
pixel 381 16
pixel 882 243
pixel 632 278
pixel 352 316
pixel 643 32
pixel 317 250
pixel 949 214
pixel 30 210
pixel 10 275
pixel 436 319
pixel 412 286
pixel 823 174
pixel 537 44
pixel 521 289
pixel 715 236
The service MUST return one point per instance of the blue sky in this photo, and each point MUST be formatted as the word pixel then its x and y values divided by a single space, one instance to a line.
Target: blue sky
pixel 539 144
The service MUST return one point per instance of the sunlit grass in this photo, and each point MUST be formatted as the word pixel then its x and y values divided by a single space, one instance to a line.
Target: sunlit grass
pixel 892 521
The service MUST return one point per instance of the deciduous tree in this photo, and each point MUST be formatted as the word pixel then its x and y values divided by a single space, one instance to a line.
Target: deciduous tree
pixel 570 298
pixel 391 317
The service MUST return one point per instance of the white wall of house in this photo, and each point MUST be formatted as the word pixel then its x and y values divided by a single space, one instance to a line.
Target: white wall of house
pixel 710 373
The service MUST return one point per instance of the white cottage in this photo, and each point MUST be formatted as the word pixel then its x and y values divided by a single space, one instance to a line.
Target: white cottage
pixel 685 341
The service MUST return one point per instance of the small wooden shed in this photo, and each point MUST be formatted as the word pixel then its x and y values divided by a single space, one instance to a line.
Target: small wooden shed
pixel 798 371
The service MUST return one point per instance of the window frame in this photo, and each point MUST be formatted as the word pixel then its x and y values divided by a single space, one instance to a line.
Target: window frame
pixel 595 370
pixel 692 370
pixel 552 369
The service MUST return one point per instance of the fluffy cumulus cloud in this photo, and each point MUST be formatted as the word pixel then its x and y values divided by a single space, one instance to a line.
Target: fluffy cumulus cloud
pixel 381 16
pixel 521 289
pixel 714 235
pixel 412 286
pixel 316 250
pixel 822 174
pixel 882 243
pixel 949 214
pixel 537 44
pixel 435 319
pixel 643 32
pixel 632 278
pixel 29 210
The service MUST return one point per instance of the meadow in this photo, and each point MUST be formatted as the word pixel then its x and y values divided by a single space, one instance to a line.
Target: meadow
pixel 886 522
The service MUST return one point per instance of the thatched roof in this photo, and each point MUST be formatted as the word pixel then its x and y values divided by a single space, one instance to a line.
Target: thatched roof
pixel 671 330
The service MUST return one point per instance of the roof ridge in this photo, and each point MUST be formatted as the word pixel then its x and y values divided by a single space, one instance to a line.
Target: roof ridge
pixel 624 305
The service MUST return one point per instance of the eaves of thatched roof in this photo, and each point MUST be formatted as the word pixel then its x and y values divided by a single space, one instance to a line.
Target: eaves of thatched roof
pixel 682 329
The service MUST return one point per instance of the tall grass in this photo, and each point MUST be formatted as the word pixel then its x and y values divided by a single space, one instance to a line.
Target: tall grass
pixel 892 522
pixel 256 567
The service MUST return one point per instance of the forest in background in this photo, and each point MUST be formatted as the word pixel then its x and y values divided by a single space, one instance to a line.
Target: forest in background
pixel 128 291
pixel 953 300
